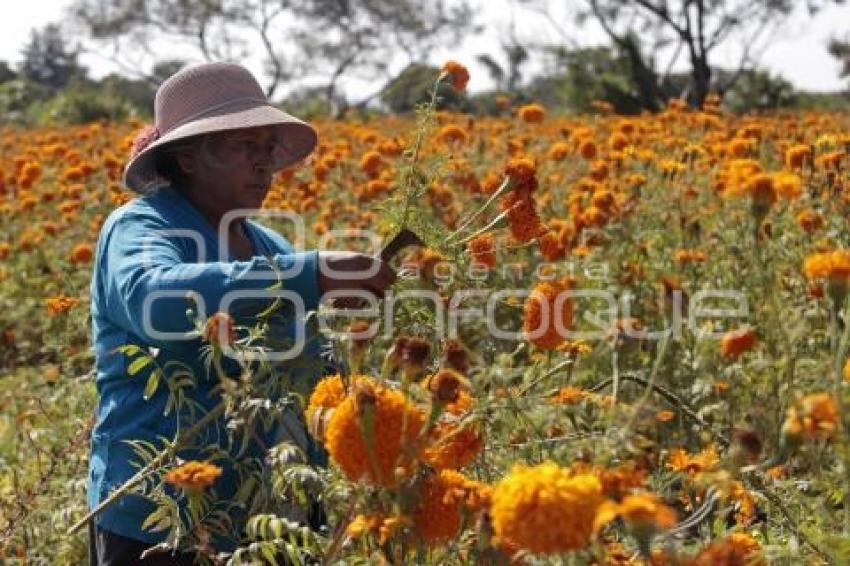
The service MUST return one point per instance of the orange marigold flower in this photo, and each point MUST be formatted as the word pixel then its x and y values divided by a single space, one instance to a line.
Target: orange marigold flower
pixel 691 256
pixel 459 74
pixel 82 253
pixel 736 342
pixel 737 548
pixel 522 171
pixel 680 461
pixel 369 430
pixel 548 314
pixel 193 475
pixel 797 156
pixel 545 509
pixel 445 385
pixel 587 149
pixel 834 265
pixel 665 416
pixel 809 220
pixel 531 113
pixel 483 250
pixel 452 133
pixel 220 330
pixel 787 185
pixel 558 151
pixel 568 395
pixel 452 446
pixel 5 250
pixel 640 511
pixel 60 304
pixel 814 416
pixel 371 163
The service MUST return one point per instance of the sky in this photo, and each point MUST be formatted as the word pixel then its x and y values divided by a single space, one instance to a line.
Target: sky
pixel 797 50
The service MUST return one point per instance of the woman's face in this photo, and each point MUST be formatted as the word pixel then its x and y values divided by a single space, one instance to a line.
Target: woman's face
pixel 234 169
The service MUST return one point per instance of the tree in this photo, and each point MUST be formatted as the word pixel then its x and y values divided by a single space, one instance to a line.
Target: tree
pixel 840 49
pixel 299 39
pixel 641 28
pixel 49 61
pixel 6 72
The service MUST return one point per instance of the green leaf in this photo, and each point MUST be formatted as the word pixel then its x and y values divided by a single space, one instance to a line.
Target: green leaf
pixel 152 384
pixel 137 364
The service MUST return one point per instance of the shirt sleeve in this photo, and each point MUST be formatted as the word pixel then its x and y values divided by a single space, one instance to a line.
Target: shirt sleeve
pixel 148 279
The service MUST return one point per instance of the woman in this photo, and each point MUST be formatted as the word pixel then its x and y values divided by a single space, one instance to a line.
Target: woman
pixel 216 143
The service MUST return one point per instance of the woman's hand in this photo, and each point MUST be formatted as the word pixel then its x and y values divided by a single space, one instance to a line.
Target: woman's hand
pixel 352 271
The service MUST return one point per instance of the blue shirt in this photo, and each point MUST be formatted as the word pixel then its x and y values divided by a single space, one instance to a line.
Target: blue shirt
pixel 150 252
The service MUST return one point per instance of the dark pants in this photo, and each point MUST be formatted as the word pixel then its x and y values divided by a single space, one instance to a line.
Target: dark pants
pixel 108 549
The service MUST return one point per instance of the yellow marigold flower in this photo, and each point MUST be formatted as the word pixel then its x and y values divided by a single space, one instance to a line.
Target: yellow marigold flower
pixel 814 416
pixel 787 185
pixel 363 524
pixel 531 113
pixel 193 475
pixel 459 74
pixel 545 509
pixel 369 431
pixel 548 314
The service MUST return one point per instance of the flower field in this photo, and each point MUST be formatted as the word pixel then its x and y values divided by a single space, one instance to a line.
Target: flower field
pixel 669 383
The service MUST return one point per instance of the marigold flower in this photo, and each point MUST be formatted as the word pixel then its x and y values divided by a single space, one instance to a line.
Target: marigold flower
pixel 787 185
pixel 367 440
pixel 737 548
pixel 445 385
pixel 193 475
pixel 548 314
pixel 814 416
pixel 587 149
pixel 459 74
pixel 60 304
pixel 452 133
pixel 798 155
pixel 706 460
pixel 640 511
pixel 569 395
pixel 809 220
pixel 442 496
pixel 558 151
pixel 736 342
pixel 452 446
pixel 82 253
pixel 220 330
pixel 545 509
pixel 531 113
pixel 483 250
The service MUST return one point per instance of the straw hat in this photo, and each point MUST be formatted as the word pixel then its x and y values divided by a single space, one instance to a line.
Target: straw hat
pixel 211 97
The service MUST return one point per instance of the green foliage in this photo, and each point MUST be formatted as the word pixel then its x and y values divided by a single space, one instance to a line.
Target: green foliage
pixel 18 97
pixel 761 90
pixel 81 103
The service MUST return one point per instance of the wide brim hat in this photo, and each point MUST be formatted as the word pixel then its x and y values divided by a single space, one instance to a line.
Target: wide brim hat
pixel 206 98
